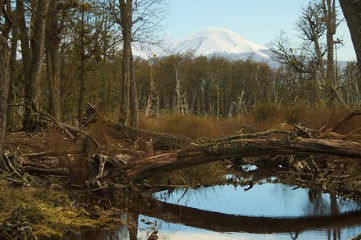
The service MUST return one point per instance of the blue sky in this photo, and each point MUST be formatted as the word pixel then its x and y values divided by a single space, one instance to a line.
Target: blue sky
pixel 259 21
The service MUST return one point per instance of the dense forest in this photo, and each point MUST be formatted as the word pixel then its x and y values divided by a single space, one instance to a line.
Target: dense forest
pixel 60 55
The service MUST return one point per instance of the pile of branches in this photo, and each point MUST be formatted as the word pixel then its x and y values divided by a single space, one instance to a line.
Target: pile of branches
pixel 17 226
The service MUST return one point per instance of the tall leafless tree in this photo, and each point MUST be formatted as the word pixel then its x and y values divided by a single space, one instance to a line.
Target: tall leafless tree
pixel 126 22
pixel 32 48
pixel 138 21
pixel 52 42
pixel 329 13
pixel 318 20
pixel 4 87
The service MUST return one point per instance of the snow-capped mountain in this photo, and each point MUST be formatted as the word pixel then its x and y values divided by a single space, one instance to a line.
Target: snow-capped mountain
pixel 217 40
pixel 208 42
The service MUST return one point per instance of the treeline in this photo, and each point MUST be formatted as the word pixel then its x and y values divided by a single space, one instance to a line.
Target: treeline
pixel 220 87
pixel 188 84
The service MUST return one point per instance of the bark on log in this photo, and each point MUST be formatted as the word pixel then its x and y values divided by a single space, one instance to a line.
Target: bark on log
pixel 52 154
pixel 47 171
pixel 141 169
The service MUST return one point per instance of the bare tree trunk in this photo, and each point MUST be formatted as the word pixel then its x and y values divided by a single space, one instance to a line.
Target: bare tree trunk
pixel 33 65
pixel 133 95
pixel 24 38
pixel 178 94
pixel 319 53
pixel 351 11
pixel 4 88
pixel 126 23
pixel 12 85
pixel 329 10
pixel 153 99
pixel 53 63
pixel 82 67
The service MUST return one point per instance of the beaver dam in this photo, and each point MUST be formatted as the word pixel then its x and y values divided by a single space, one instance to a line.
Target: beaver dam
pixel 107 181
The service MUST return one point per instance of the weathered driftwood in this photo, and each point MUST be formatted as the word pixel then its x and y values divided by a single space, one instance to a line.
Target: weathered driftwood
pixel 141 169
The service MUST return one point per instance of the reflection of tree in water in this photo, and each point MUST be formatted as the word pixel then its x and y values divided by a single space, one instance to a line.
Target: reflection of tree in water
pixel 220 222
pixel 294 236
pixel 173 213
pixel 334 232
pixel 320 205
pixel 317 205
pixel 132 222
pixel 183 195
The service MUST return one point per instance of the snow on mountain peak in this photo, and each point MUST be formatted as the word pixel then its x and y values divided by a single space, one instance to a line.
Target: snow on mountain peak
pixel 216 40
pixel 208 42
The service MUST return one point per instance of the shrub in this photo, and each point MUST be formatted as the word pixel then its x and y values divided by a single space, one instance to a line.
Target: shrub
pixel 293 114
pixel 262 117
pixel 265 111
pixel 191 125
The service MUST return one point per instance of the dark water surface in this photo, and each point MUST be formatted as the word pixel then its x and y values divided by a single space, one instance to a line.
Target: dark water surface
pixel 266 211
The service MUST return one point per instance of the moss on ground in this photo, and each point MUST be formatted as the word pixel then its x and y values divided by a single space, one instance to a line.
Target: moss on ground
pixel 51 214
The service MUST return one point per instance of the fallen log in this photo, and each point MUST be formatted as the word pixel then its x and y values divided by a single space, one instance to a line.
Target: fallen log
pixel 53 153
pixel 47 171
pixel 123 165
pixel 141 169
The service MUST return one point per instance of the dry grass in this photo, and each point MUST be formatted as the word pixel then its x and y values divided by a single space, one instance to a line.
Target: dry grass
pixel 192 126
pixel 260 118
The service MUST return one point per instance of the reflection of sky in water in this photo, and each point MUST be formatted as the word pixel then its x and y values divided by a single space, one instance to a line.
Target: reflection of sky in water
pixel 273 200
pixel 196 234
pixel 262 200
pixel 170 231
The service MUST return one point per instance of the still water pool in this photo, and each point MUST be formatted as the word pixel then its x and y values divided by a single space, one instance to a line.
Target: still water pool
pixel 266 211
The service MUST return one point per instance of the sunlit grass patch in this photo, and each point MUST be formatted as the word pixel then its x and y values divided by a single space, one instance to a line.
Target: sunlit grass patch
pixel 49 213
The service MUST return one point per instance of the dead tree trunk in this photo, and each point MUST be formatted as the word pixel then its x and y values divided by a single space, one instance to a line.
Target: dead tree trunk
pixel 4 87
pixel 32 56
pixel 141 169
